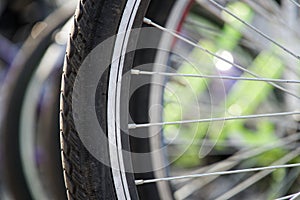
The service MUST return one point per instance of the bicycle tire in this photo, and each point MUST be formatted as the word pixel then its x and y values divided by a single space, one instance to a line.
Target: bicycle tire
pixel 94 22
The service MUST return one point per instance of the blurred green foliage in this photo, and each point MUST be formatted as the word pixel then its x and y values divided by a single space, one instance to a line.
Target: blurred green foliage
pixel 182 95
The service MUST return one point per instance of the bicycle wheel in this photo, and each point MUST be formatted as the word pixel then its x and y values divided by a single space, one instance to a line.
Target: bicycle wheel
pixel 39 146
pixel 123 122
pixel 13 91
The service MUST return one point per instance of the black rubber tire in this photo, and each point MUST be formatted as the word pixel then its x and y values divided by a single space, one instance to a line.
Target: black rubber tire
pixel 95 21
pixel 13 92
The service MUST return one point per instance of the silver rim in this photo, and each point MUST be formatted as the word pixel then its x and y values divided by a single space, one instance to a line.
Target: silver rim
pixel 114 91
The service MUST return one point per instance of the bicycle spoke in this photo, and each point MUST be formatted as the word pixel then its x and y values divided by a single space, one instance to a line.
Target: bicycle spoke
pixel 254 28
pixel 133 126
pixel 264 8
pixel 258 176
pixel 140 72
pixel 242 186
pixel 290 197
pixel 282 187
pixel 251 152
pixel 296 3
pixel 148 21
pixel 192 186
pixel 295 196
pixel 146 181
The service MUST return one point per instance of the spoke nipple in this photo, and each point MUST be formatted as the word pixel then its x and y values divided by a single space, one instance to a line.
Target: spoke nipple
pixel 147 21
pixel 131 126
pixel 139 182
pixel 135 71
